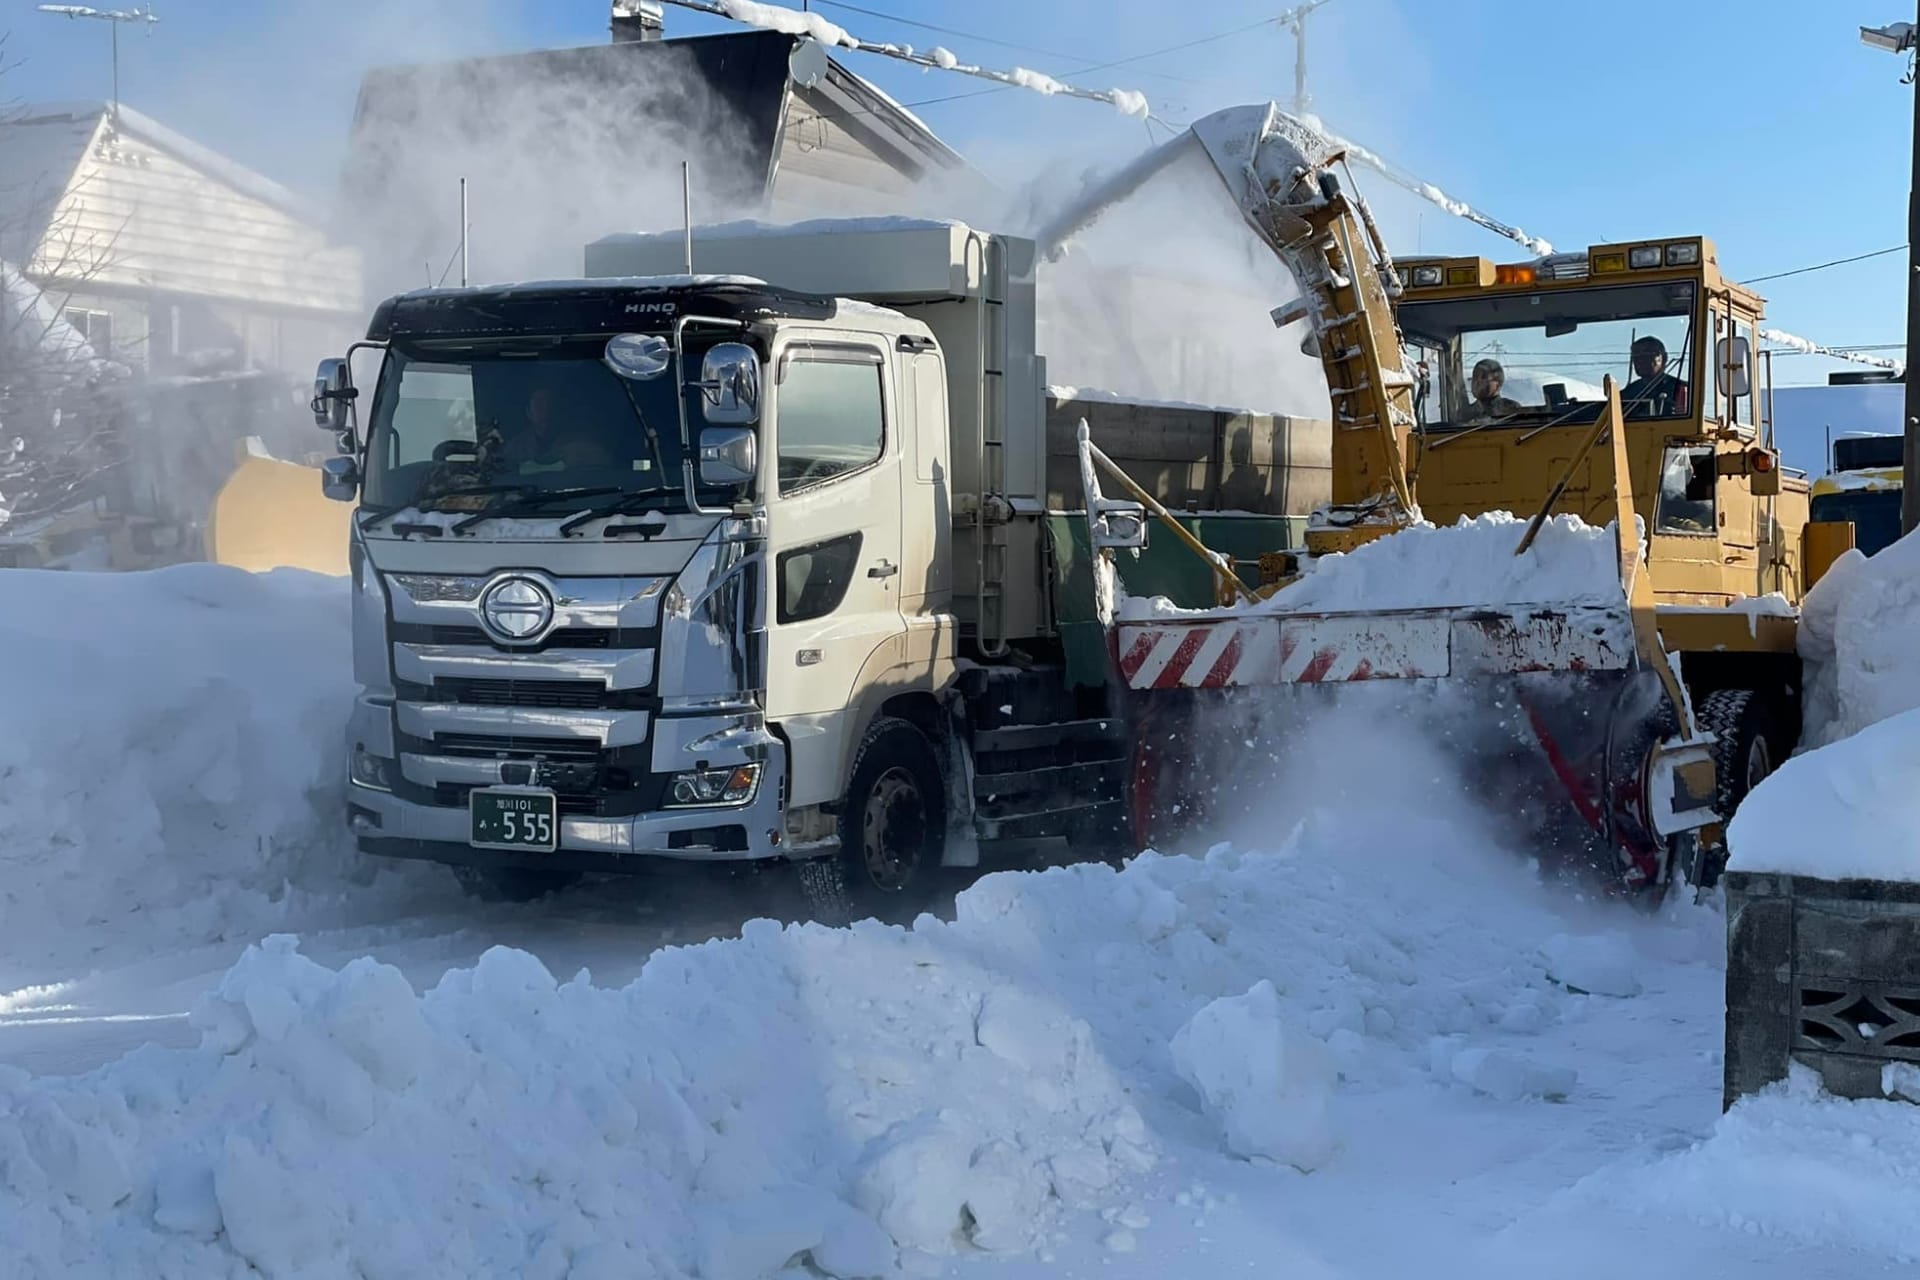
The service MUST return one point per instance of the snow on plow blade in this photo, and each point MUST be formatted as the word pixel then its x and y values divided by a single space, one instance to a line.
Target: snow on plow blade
pixel 1546 712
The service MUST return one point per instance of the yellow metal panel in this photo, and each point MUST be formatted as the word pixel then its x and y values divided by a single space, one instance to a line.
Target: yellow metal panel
pixel 1826 541
pixel 1711 630
pixel 271 514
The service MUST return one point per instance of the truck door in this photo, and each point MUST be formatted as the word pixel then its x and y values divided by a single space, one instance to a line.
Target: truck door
pixel 834 538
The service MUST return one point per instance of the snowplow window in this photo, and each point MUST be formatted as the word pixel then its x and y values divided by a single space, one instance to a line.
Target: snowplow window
pixel 1539 358
pixel 555 418
pixel 828 415
pixel 1687 478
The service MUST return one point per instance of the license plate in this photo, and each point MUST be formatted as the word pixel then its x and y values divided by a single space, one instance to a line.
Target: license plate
pixel 514 818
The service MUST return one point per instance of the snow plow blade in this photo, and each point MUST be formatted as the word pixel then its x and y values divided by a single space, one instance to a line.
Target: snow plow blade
pixel 1546 712
pixel 271 514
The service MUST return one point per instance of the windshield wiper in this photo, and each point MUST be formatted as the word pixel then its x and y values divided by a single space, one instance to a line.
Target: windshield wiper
pixel 625 504
pixel 529 502
pixel 431 501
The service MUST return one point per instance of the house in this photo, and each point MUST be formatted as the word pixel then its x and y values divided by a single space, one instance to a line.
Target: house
pixel 164 255
pixel 561 147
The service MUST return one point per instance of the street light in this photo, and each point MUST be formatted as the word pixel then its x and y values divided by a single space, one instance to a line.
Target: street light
pixel 1903 38
pixel 1896 37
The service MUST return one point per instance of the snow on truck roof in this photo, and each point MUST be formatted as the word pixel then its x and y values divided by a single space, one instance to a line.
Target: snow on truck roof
pixel 604 304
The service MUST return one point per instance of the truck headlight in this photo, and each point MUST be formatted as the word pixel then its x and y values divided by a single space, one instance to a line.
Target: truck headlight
pixel 733 784
pixel 369 770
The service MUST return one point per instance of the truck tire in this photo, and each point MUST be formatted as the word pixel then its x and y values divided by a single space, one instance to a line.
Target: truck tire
pixel 892 832
pixel 1750 743
pixel 511 884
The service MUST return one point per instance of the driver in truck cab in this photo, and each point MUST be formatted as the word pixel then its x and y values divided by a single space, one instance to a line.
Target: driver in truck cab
pixel 542 442
pixel 1653 393
pixel 1488 404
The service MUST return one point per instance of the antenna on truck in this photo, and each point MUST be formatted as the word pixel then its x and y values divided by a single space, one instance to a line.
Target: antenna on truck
pixel 464 227
pixel 686 209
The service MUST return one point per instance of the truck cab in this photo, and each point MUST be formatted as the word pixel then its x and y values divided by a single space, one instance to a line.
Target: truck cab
pixel 668 566
pixel 1511 359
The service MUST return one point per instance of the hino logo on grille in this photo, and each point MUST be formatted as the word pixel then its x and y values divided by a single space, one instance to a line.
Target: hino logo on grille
pixel 516 609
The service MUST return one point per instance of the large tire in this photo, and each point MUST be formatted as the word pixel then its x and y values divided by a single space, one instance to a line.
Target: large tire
pixel 892 832
pixel 511 884
pixel 1750 743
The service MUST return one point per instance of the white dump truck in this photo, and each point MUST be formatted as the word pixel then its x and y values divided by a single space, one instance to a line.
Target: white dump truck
pixel 652 565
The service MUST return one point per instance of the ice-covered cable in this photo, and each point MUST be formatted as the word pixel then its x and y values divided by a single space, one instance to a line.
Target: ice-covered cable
pixel 773 17
pixel 1358 154
pixel 1806 346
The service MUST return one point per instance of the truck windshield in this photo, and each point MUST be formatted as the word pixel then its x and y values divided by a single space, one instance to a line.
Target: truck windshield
pixel 1533 358
pixel 550 422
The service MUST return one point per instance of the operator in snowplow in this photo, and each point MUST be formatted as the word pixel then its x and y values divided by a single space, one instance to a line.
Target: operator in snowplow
pixel 1653 393
pixel 1488 404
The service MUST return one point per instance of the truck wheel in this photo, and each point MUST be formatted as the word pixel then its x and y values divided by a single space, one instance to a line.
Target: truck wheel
pixel 511 884
pixel 892 831
pixel 1750 743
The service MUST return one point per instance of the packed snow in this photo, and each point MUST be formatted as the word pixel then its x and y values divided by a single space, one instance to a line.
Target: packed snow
pixel 1847 807
pixel 1427 566
pixel 1857 639
pixel 1362 1007
pixel 172 760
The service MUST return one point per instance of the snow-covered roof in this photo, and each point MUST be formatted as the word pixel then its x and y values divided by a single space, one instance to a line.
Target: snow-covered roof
pixel 51 138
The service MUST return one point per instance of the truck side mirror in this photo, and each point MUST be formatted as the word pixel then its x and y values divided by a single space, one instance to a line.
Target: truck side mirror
pixel 333 391
pixel 1118 525
pixel 730 386
pixel 340 479
pixel 1732 361
pixel 728 456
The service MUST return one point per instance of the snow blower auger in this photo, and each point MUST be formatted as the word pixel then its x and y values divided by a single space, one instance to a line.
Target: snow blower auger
pixel 1570 718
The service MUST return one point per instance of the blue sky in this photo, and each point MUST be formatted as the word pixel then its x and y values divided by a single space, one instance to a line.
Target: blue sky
pixel 1763 124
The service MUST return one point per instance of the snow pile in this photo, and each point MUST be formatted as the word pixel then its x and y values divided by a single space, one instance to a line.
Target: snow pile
pixel 859 1101
pixel 1844 810
pixel 1469 564
pixel 172 756
pixel 1847 808
pixel 833 1096
pixel 1795 1166
pixel 1858 631
pixel 1267 1082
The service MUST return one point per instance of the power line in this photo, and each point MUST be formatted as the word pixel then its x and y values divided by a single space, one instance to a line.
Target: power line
pixel 1822 266
pixel 974 36
pixel 1117 62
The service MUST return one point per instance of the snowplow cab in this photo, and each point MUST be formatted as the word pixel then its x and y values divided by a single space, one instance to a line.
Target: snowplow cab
pixel 1509 362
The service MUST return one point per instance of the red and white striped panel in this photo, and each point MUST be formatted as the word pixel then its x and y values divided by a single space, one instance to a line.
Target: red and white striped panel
pixel 1331 648
pixel 1205 655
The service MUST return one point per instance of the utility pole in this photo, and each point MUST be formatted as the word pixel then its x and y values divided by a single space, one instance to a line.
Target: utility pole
pixel 113 18
pixel 1903 38
pixel 1295 20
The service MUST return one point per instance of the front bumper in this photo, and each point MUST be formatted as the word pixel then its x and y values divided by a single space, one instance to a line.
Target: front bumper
pixel 386 824
pixel 399 826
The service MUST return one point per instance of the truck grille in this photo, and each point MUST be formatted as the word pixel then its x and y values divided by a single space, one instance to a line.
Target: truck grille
pixel 571 694
pixel 474 637
pixel 500 746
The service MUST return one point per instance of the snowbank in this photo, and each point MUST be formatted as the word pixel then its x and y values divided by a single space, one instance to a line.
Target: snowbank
pixel 863 1100
pixel 1845 810
pixel 1470 563
pixel 171 756
pixel 1860 641
pixel 1797 1167
pixel 1848 807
